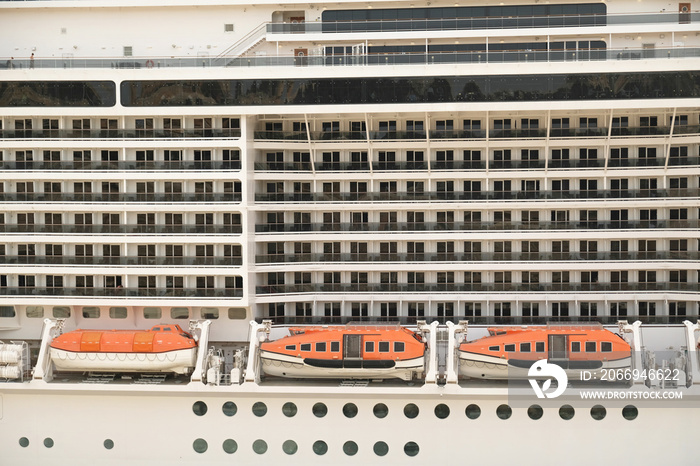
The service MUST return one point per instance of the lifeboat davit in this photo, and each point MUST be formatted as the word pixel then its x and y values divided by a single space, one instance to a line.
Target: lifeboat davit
pixel 508 353
pixel 346 352
pixel 163 348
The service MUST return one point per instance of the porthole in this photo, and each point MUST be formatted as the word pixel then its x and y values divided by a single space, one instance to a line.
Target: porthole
pixel 473 411
pixel 350 448
pixel 320 447
pixel 289 409
pixel 442 411
pixel 230 446
pixel 411 448
pixel 289 447
pixel 200 445
pixel 566 412
pixel 260 409
pixel 350 410
pixel 24 442
pixel 48 442
pixel 229 408
pixel 380 410
pixel 630 412
pixel 381 448
pixel 319 409
pixel 598 412
pixel 535 412
pixel 199 408
pixel 411 411
pixel 504 412
pixel 260 446
pixel 108 443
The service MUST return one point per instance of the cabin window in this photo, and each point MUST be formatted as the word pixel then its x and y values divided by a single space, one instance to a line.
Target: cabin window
pixel 61 312
pixel 305 347
pixel 117 312
pixel 335 347
pixel 383 346
pixel 590 347
pixel 180 313
pixel 605 346
pixel 495 348
pixel 399 347
pixel 236 313
pixel 525 347
pixel 7 311
pixel 35 312
pixel 321 347
pixel 539 347
pixel 291 347
pixel 209 313
pixel 510 347
pixel 91 312
pixel 152 313
pixel 575 346
pixel 369 347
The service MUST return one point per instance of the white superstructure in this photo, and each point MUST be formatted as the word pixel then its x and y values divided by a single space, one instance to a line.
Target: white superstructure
pixel 501 163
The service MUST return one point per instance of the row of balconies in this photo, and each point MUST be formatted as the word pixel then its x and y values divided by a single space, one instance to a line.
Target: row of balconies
pixel 634 162
pixel 124 292
pixel 475 287
pixel 123 229
pixel 603 256
pixel 120 197
pixel 474 196
pixel 473 226
pixel 117 165
pixel 119 133
pixel 122 260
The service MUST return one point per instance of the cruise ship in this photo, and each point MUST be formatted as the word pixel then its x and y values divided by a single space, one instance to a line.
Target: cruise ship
pixel 218 175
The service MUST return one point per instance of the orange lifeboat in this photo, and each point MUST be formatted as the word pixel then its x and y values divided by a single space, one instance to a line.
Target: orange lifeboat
pixel 346 352
pixel 508 353
pixel 163 348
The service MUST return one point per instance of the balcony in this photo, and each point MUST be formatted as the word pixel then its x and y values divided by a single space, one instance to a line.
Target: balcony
pixel 602 256
pixel 476 288
pixel 120 197
pixel 194 261
pixel 124 292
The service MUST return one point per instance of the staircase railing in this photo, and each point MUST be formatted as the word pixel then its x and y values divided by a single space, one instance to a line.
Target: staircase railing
pixel 245 42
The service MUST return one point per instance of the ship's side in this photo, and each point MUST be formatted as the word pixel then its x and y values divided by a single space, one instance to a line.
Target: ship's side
pixel 318 163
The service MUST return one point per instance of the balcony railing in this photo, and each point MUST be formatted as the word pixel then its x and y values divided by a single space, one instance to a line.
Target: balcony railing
pixel 116 165
pixel 480 257
pixel 122 260
pixel 474 226
pixel 122 229
pixel 120 197
pixel 475 288
pixel 124 292
pixel 118 133
pixel 475 196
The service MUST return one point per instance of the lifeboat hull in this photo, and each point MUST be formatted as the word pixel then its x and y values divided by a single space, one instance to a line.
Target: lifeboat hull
pixel 177 361
pixel 481 366
pixel 281 365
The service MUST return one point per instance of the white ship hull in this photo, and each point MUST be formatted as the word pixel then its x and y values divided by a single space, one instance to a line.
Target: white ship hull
pixel 178 361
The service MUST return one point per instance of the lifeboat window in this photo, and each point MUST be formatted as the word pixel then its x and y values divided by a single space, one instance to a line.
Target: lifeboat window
pixel 305 347
pixel 321 347
pixel 605 346
pixel 539 347
pixel 591 347
pixel 156 329
pixel 335 347
pixel 291 347
pixel 525 347
pixel 383 346
pixel 575 346
pixel 369 347
pixel 399 347
pixel 167 329
pixel 510 347
pixel 495 348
